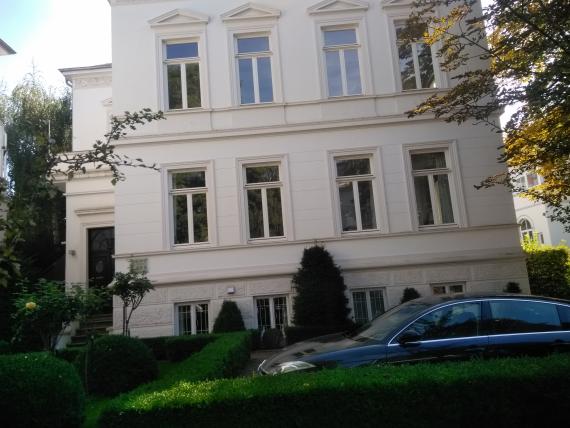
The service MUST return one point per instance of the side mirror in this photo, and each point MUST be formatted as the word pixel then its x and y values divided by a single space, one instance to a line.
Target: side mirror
pixel 409 337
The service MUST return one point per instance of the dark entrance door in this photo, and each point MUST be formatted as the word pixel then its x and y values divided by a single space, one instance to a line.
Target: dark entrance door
pixel 101 248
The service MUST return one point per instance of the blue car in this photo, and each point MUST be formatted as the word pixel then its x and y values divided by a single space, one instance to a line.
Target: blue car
pixel 439 328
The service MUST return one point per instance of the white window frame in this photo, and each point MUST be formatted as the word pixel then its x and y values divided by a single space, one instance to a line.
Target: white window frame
pixel 342 21
pixel 397 18
pixel 167 204
pixel 341 51
pixel 380 208
pixel 367 290
pixel 287 215
pixel 454 178
pixel 196 36
pixel 522 180
pixel 272 308
pixel 247 29
pixel 183 62
pixel 254 56
pixel 447 286
pixel 193 332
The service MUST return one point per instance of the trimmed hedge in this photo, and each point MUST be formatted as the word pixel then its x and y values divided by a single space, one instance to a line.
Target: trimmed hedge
pixel 5 348
pixel 548 270
pixel 229 318
pixel 524 392
pixel 177 348
pixel 224 357
pixel 70 354
pixel 39 390
pixel 117 364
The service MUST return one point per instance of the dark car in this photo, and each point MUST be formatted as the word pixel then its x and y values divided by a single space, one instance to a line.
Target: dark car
pixel 439 328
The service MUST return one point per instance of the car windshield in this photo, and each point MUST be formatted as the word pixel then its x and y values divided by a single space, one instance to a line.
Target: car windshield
pixel 380 327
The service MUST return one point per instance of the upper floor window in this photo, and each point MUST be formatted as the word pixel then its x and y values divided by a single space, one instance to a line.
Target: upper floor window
pixel 431 174
pixel 189 206
pixel 527 181
pixel 341 51
pixel 254 69
pixel 354 180
pixel 182 71
pixel 263 199
pixel 416 62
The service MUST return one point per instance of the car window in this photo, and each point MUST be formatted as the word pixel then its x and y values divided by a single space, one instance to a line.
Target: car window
pixel 380 327
pixel 512 316
pixel 460 320
pixel 564 313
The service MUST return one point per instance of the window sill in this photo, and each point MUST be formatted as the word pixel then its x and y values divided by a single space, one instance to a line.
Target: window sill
pixel 361 232
pixel 257 241
pixel 438 226
pixel 187 110
pixel 181 247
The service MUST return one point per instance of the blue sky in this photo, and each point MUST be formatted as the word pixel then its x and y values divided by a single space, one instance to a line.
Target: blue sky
pixel 53 34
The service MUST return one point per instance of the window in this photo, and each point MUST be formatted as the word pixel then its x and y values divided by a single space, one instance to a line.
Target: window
pixel 182 70
pixel 263 199
pixel 431 175
pixel 461 320
pixel 527 181
pixel 341 51
pixel 193 319
pixel 189 199
pixel 271 312
pixel 354 180
pixel 511 316
pixel 416 62
pixel 439 289
pixel 254 69
pixel 367 305
pixel 526 229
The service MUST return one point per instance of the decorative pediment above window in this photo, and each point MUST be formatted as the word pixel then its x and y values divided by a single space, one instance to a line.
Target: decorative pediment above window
pixel 251 11
pixel 333 6
pixel 397 3
pixel 179 17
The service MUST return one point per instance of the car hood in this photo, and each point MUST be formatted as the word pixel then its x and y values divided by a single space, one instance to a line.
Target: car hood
pixel 336 349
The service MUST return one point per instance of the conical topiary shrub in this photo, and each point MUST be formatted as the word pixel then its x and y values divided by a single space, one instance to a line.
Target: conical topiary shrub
pixel 320 299
pixel 410 293
pixel 229 318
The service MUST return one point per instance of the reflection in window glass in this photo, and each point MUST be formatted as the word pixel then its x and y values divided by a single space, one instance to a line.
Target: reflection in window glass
pixel 265 211
pixel 342 62
pixel 183 75
pixel 174 87
pixel 461 320
pixel 366 200
pixel 181 50
pixel 432 188
pixel 180 209
pixel 193 85
pixel 416 63
pixel 254 68
pixel 188 190
pixel 347 167
pixel 347 206
pixel 200 213
pixel 190 179
pixel 511 316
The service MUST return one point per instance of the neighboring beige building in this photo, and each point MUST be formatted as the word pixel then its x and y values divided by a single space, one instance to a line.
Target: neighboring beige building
pixel 286 126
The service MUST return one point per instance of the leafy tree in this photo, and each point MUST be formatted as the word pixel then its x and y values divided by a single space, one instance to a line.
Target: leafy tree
pixel 229 319
pixel 320 299
pixel 38 125
pixel 410 293
pixel 524 63
pixel 49 309
pixel 130 287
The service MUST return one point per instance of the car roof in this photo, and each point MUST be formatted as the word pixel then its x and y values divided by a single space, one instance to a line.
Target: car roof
pixel 446 298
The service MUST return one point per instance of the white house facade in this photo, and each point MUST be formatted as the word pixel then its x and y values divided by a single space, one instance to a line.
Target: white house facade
pixel 285 126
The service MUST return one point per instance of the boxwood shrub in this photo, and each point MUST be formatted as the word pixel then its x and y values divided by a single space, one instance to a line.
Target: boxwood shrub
pixel 524 392
pixel 223 357
pixel 70 354
pixel 157 345
pixel 39 390
pixel 179 348
pixel 117 364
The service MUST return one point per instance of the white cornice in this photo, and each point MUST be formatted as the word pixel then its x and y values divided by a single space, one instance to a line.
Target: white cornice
pixel 179 17
pixel 336 6
pixel 93 211
pixel 251 11
pixel 130 2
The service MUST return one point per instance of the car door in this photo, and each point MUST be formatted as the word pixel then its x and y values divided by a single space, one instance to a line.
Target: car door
pixel 525 327
pixel 452 332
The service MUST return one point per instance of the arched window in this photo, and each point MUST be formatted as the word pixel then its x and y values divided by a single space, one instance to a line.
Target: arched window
pixel 526 229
